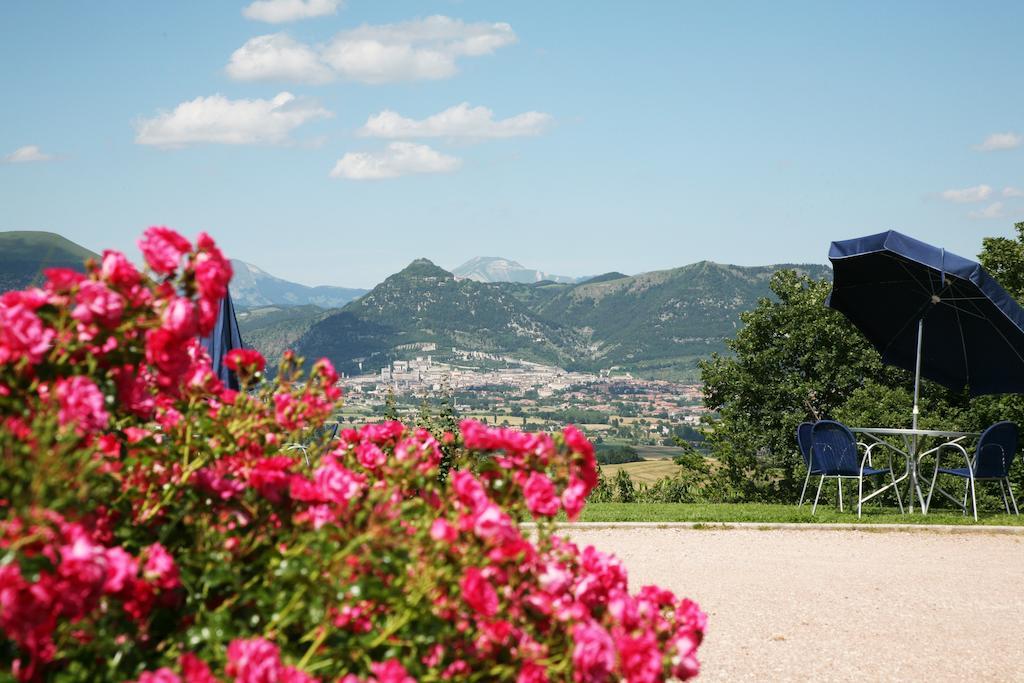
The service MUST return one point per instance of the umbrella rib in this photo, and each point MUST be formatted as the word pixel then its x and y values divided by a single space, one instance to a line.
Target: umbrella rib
pixel 963 344
pixel 962 310
pixel 928 290
pixel 1000 332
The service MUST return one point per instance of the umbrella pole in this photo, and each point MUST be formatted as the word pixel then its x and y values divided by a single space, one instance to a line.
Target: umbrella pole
pixel 912 460
pixel 917 370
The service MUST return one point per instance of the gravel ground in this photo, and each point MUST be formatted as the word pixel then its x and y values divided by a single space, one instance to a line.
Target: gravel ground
pixel 840 605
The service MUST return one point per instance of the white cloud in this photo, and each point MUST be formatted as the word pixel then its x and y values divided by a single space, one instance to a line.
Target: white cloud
pixel 397 159
pixel 277 57
pixel 1013 192
pixel 999 141
pixel 978 193
pixel 281 11
pixel 28 153
pixel 422 49
pixel 460 121
pixel 993 210
pixel 231 122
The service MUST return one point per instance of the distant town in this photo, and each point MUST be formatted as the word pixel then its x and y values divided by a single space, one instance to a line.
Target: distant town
pixel 612 407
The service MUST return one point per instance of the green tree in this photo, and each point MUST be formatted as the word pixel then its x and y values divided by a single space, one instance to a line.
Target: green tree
pixel 794 360
pixel 390 407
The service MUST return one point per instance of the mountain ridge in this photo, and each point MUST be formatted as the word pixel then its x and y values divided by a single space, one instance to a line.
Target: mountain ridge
pixel 655 324
pixel 252 287
pixel 500 269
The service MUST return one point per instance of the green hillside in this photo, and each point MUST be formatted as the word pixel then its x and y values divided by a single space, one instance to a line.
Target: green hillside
pixel 273 329
pixel 655 324
pixel 24 254
pixel 426 304
pixel 660 323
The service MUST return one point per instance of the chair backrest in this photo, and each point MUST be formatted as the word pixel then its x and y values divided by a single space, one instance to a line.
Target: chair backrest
pixel 996 450
pixel 803 441
pixel 834 449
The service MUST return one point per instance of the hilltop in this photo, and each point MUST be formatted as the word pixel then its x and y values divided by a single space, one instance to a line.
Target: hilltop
pixel 24 254
pixel 655 324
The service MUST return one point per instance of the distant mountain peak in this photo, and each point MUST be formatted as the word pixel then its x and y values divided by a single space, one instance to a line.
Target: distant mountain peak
pixel 252 286
pixel 500 269
pixel 424 268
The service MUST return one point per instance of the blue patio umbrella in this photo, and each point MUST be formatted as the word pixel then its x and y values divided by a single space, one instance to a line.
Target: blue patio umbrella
pixel 936 314
pixel 225 337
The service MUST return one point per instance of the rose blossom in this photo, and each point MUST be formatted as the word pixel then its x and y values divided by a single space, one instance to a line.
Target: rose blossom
pixel 163 249
pixel 81 404
pixel 478 592
pixel 540 494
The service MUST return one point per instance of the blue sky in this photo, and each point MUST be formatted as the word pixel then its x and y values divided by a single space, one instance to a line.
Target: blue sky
pixel 621 136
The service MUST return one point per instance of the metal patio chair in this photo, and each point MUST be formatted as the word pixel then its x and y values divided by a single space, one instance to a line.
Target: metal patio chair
pixel 803 442
pixel 996 449
pixel 835 453
pixel 318 436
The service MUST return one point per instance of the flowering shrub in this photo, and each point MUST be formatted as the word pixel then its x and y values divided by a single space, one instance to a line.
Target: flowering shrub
pixel 157 527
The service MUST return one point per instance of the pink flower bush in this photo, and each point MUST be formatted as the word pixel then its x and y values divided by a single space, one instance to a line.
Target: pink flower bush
pixel 157 527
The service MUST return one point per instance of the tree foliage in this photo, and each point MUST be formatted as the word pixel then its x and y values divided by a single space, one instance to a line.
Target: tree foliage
pixel 795 360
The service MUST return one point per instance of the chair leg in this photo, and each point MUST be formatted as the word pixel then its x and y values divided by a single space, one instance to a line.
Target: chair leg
pixel 1006 503
pixel 839 483
pixel 820 482
pixel 860 495
pixel 931 489
pixel 896 489
pixel 804 491
pixel 974 500
pixel 967 490
pixel 1014 500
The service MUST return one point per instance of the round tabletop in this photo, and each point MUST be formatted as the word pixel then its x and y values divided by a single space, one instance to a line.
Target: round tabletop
pixel 893 431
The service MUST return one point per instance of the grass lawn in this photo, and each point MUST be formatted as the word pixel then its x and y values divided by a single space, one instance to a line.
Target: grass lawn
pixel 764 513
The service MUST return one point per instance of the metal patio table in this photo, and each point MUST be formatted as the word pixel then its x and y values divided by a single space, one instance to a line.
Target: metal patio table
pixel 913 442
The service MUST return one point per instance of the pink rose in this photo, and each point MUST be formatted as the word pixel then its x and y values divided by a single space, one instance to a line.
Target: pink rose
pixel 22 333
pixel 540 495
pixel 163 249
pixel 118 271
pixel 121 570
pixel 493 524
pixel 441 530
pixel 593 657
pixel 213 271
pixel 573 498
pixel 256 660
pixel 391 671
pixel 163 675
pixel 160 568
pixel 97 304
pixel 180 318
pixel 239 359
pixel 195 670
pixel 478 592
pixel 81 404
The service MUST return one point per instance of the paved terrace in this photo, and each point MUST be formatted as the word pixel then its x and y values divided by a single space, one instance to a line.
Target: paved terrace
pixel 802 603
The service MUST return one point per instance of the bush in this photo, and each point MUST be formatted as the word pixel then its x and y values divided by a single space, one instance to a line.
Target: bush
pixel 155 525
pixel 617 455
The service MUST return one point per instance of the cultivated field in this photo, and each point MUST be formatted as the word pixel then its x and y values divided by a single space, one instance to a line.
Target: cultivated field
pixel 645 472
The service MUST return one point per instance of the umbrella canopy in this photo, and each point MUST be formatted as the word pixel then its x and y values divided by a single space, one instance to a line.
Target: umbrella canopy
pixel 225 337
pixel 930 312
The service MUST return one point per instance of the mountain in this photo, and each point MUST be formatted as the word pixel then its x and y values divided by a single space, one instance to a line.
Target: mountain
pixel 24 254
pixel 497 269
pixel 425 304
pixel 253 287
pixel 273 329
pixel 656 324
